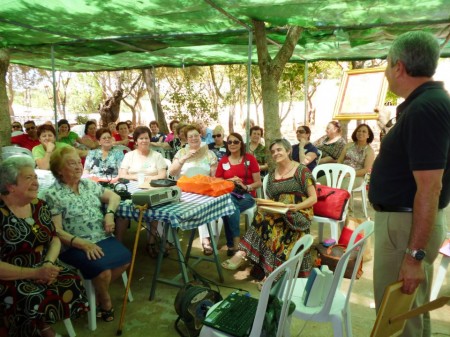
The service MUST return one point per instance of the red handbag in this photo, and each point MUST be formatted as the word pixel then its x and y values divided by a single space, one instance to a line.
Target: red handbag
pixel 331 202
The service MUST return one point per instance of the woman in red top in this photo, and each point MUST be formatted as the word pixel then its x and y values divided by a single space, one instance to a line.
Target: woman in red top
pixel 242 169
pixel 122 137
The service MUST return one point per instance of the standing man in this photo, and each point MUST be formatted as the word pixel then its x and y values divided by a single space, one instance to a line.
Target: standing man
pixel 29 139
pixel 410 180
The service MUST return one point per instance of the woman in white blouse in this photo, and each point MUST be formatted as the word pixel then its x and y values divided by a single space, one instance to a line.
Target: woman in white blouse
pixel 143 160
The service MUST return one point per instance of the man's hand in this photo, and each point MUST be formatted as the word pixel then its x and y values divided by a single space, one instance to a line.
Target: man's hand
pixel 411 273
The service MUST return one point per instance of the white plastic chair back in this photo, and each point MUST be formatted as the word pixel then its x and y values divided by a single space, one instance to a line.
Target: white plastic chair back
pixel 335 308
pixel 319 156
pixel 10 151
pixel 290 268
pixel 122 148
pixel 265 181
pixel 335 174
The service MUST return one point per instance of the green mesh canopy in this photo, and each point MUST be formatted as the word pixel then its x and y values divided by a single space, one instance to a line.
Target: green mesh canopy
pixel 93 35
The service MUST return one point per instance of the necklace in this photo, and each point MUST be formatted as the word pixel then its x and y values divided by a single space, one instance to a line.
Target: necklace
pixel 282 176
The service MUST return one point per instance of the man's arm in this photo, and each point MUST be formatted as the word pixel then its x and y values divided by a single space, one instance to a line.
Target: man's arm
pixel 426 200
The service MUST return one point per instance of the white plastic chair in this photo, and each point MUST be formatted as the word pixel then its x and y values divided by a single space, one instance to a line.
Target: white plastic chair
pixel 335 174
pixel 122 148
pixel 90 292
pixel 335 309
pixel 363 189
pixel 442 271
pixel 13 151
pixel 291 267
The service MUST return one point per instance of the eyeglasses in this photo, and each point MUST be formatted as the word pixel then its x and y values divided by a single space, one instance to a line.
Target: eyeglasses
pixel 217 136
pixel 16 126
pixel 30 128
pixel 235 142
pixel 300 132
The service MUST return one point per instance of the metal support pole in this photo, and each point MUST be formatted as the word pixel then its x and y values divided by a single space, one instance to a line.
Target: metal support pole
pixel 54 89
pixel 306 92
pixel 249 87
pixel 155 108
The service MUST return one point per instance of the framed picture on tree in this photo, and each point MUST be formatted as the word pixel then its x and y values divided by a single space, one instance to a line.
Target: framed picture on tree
pixel 362 91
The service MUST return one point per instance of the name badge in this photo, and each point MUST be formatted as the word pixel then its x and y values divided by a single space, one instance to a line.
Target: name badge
pixel 222 149
pixel 247 163
pixel 226 166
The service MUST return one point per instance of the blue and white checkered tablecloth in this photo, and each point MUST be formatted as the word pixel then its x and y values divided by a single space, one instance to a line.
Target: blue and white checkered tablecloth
pixel 192 211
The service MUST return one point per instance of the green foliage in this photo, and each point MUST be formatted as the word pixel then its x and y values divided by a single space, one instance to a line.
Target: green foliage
pixel 188 96
pixel 391 98
pixel 85 94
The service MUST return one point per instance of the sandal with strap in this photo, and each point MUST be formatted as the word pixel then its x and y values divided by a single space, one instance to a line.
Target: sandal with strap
pixel 207 249
pixel 108 315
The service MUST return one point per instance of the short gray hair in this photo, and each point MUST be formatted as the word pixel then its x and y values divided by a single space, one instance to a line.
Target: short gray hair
pixel 284 143
pixel 419 52
pixel 10 169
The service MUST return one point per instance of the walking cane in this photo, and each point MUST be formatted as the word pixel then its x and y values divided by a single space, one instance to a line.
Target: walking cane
pixel 133 259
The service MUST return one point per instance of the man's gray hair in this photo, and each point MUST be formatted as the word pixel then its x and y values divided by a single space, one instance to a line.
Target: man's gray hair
pixel 10 169
pixel 419 52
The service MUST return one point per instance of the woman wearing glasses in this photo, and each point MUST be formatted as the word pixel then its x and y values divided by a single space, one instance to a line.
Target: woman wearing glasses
pixel 219 147
pixel 191 160
pixel 304 152
pixel 104 162
pixel 243 170
pixel 331 144
pixel 16 129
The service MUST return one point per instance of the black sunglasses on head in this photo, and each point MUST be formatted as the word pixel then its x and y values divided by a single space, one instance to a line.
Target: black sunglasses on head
pixel 235 142
pixel 216 136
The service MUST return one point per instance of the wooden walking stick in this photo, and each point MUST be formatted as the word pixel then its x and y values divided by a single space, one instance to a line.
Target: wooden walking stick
pixel 141 209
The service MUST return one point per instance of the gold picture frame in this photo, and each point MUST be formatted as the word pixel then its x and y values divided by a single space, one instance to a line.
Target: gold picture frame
pixel 361 92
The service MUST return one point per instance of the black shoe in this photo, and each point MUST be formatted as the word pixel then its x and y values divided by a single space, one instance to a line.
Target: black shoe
pixel 231 252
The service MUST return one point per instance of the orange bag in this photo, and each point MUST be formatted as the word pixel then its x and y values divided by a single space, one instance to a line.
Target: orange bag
pixel 205 185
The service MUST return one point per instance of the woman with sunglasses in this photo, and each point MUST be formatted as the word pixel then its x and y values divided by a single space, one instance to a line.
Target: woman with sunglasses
pixel 243 170
pixel 331 144
pixel 16 129
pixel 219 147
pixel 304 152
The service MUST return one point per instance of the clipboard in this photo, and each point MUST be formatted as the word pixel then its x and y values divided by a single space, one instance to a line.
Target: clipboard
pixel 395 309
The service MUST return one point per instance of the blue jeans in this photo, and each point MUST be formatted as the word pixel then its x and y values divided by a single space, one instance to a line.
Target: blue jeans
pixel 232 221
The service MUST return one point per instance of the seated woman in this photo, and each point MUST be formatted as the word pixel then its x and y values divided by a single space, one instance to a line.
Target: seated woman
pixel 36 290
pixel 89 135
pixel 67 136
pixel 41 153
pixel 173 127
pixel 271 237
pixel 122 136
pixel 76 208
pixel 331 144
pixel 104 162
pixel 150 163
pixel 257 149
pixel 219 147
pixel 243 170
pixel 191 160
pixel 358 154
pixel 304 152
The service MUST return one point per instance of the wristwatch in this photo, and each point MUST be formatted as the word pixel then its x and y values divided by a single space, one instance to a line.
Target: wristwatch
pixel 110 211
pixel 418 254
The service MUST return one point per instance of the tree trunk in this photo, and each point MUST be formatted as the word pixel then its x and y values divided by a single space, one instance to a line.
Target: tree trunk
pixel 5 119
pixel 271 70
pixel 154 97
